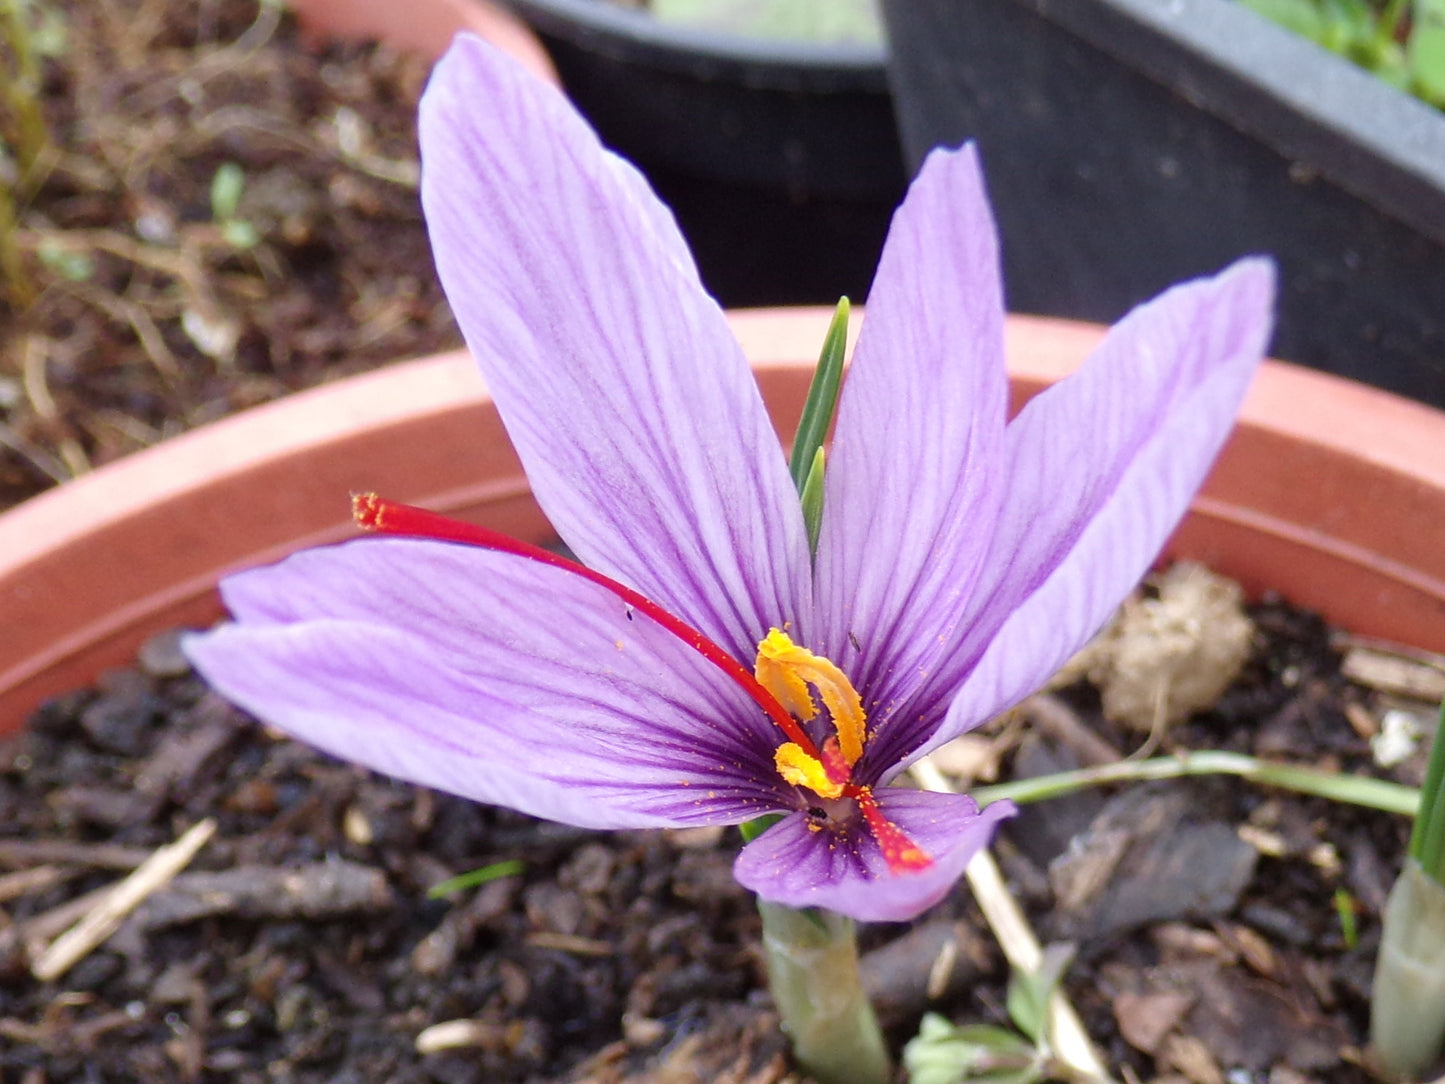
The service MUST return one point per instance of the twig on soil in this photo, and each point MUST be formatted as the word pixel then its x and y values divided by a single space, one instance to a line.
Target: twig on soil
pixel 34 933
pixel 33 358
pixel 25 881
pixel 1060 721
pixel 1391 668
pixel 77 942
pixel 24 853
pixel 36 456
pixel 566 942
pixel 456 1034
pixel 127 312
pixel 224 59
pixel 317 890
pixel 1069 1041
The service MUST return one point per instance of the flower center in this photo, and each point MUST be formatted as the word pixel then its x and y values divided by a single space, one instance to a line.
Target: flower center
pixel 792 674
pixel 784 673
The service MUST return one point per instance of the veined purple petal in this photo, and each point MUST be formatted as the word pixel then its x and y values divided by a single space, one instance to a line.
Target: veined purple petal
pixel 843 870
pixel 913 480
pixel 496 678
pixel 627 397
pixel 1100 468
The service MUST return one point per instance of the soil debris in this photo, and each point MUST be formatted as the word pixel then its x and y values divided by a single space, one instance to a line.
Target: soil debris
pixel 220 216
pixel 1172 650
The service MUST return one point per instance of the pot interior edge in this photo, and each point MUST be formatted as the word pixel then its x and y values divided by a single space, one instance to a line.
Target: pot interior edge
pixel 1377 582
pixel 89 647
pixel 1348 585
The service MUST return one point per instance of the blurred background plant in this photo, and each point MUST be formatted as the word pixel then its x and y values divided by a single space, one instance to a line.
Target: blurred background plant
pixel 1401 42
pixel 29 31
pixel 807 20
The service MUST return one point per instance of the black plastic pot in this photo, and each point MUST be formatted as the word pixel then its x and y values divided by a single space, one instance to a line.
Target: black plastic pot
pixel 1131 143
pixel 781 160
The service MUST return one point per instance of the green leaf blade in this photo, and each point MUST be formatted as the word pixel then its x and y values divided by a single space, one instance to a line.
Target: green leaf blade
pixel 822 399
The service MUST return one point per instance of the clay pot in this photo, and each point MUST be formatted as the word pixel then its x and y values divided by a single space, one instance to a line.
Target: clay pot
pixel 425 27
pixel 779 158
pixel 1207 130
pixel 1329 492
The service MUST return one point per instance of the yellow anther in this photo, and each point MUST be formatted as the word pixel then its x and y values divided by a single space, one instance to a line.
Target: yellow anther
pixel 775 673
pixel 802 770
pixel 786 670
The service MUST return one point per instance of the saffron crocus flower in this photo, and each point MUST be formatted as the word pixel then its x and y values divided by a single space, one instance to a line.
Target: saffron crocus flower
pixel 960 558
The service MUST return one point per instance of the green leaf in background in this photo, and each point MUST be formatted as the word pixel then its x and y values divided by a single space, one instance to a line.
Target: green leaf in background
pixel 1425 51
pixel 1029 994
pixel 226 188
pixel 812 497
pixel 944 1054
pixel 832 21
pixel 1304 17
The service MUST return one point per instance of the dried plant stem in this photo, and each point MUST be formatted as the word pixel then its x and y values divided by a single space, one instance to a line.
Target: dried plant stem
pixel 26 137
pixel 14 278
pixel 1070 1043
pixel 150 876
pixel 21 92
pixel 812 959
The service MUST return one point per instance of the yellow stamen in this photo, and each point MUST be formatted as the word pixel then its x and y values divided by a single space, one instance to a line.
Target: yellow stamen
pixel 802 770
pixel 786 670
pixel 783 681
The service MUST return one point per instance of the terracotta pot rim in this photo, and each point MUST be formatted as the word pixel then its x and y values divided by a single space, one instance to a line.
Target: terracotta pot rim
pixel 425 27
pixel 89 569
pixel 1389 431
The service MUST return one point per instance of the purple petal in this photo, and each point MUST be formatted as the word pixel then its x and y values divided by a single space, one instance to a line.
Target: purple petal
pixel 1100 469
pixel 621 385
pixel 842 868
pixel 912 483
pixel 496 678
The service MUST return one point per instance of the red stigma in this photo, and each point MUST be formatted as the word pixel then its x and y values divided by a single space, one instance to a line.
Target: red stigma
pixel 900 852
pixel 374 513
pixel 835 765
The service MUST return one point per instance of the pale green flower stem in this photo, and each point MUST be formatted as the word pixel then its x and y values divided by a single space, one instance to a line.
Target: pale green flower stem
pixel 812 959
pixel 1407 1007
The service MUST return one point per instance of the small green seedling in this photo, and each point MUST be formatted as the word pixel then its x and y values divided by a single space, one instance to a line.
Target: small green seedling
pixel 227 187
pixel 945 1053
pixel 474 878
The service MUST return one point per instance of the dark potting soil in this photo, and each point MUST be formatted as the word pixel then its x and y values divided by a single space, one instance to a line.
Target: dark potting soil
pixel 300 943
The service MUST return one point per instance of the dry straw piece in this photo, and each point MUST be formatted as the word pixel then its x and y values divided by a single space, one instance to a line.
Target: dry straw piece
pixel 105 918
